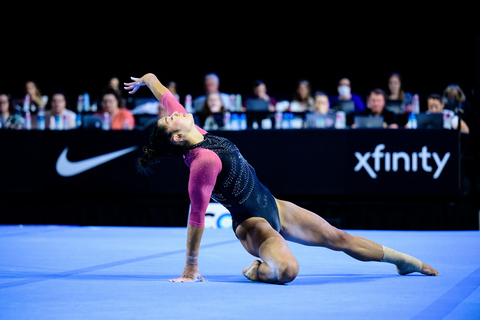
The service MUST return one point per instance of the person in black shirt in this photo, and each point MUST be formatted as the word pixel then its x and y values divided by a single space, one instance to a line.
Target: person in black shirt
pixel 376 108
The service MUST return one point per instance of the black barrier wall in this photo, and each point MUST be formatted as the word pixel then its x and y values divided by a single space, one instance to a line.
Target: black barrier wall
pixel 87 177
pixel 288 162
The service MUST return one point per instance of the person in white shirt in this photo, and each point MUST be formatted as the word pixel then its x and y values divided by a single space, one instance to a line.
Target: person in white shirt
pixel 58 106
pixel 436 105
pixel 212 84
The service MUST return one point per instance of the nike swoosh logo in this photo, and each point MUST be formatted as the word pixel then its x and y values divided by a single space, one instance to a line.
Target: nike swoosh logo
pixel 67 168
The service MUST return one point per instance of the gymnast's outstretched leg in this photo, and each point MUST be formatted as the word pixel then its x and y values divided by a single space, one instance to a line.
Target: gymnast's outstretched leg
pixel 302 226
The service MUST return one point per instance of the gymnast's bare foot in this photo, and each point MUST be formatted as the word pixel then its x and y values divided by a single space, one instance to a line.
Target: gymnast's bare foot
pixel 428 271
pixel 250 272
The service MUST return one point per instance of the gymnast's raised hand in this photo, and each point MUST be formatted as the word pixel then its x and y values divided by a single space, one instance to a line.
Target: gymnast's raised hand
pixel 133 86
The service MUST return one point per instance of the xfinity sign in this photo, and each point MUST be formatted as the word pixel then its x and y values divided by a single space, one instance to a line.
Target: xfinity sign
pixel 395 161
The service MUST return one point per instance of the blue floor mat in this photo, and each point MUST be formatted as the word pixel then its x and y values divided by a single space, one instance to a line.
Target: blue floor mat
pixel 67 272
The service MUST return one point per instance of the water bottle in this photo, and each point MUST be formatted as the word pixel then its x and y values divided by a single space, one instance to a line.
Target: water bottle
pixel 41 120
pixel 447 120
pixel 28 121
pixel 66 124
pixel 278 120
pixel 412 121
pixel 80 103
pixel 416 104
pixel 78 122
pixel 340 121
pixel 232 103
pixel 58 124
pixel 26 104
pixel 235 123
pixel 106 121
pixel 86 102
pixel 238 102
pixel 126 125
pixel 243 121
pixel 226 121
pixel 286 121
pixel 188 103
pixel 255 125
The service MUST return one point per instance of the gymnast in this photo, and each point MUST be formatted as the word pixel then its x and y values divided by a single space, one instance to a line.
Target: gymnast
pixel 261 222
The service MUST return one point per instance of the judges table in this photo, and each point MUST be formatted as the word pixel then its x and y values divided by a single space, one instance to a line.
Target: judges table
pixel 45 167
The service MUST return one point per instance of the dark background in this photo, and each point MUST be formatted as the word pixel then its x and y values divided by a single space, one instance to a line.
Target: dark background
pixel 78 48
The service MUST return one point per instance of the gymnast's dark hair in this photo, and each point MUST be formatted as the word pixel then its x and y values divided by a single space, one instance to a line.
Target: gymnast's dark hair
pixel 161 145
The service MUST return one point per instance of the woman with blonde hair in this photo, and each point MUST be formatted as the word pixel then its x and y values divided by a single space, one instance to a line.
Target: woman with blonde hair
pixel 454 98
pixel 36 98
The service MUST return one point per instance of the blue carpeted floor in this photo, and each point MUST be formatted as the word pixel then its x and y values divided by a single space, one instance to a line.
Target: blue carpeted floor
pixel 60 272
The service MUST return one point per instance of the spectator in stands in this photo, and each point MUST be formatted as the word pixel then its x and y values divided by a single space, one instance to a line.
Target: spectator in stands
pixel 114 83
pixel 455 99
pixel 436 105
pixel 303 100
pixel 120 118
pixel 322 104
pixel 345 94
pixel 211 84
pixel 9 117
pixel 376 108
pixel 58 105
pixel 260 92
pixel 397 97
pixel 37 101
pixel 213 109
pixel 172 86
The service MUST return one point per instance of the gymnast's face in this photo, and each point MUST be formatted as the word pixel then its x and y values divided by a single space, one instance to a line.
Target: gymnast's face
pixel 178 122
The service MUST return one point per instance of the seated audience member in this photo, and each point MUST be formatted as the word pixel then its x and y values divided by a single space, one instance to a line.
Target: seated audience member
pixel 345 94
pixel 58 105
pixel 37 101
pixel 120 118
pixel 436 105
pixel 303 100
pixel 9 117
pixel 455 99
pixel 211 84
pixel 172 87
pixel 114 83
pixel 321 104
pixel 376 108
pixel 396 95
pixel 213 109
pixel 260 92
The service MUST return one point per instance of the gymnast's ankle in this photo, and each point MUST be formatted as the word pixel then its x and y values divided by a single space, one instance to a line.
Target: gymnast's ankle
pixel 405 264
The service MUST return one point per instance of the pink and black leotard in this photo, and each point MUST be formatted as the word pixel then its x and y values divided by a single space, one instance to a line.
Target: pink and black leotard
pixel 219 171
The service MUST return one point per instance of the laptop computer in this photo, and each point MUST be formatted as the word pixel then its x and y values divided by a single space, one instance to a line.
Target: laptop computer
pixel 394 106
pixel 366 122
pixel 345 106
pixel 144 121
pixel 92 122
pixel 257 105
pixel 429 120
pixel 316 120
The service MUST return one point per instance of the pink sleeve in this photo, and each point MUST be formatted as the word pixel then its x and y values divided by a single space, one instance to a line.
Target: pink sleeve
pixel 204 170
pixel 172 105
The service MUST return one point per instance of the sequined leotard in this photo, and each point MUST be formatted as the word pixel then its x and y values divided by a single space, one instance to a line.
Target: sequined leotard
pixel 218 170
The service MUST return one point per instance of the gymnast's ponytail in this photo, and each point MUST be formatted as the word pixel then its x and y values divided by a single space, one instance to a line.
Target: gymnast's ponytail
pixel 160 146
